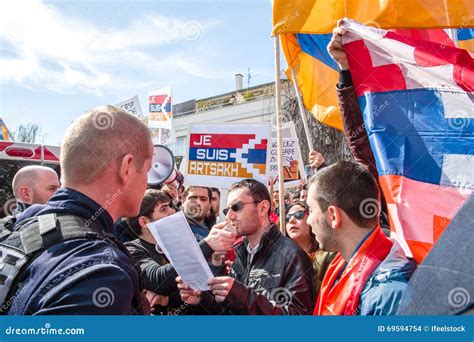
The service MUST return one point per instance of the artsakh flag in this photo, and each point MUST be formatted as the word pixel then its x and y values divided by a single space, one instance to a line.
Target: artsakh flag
pixel 417 102
pixel 160 108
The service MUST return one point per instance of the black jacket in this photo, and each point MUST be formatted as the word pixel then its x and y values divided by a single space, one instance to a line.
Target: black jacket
pixel 159 276
pixel 278 281
pixel 79 276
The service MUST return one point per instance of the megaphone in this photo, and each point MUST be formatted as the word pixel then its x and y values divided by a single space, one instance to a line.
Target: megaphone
pixel 162 165
pixel 175 176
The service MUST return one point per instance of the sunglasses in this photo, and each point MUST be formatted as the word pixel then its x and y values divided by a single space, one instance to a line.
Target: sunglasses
pixel 236 207
pixel 297 214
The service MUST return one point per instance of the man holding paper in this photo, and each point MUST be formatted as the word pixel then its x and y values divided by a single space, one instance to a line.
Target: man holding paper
pixel 270 275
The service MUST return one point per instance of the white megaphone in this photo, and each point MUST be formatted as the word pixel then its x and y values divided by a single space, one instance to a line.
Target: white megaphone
pixel 162 165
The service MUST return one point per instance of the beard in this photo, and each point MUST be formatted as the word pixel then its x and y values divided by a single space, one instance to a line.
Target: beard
pixel 325 236
pixel 246 226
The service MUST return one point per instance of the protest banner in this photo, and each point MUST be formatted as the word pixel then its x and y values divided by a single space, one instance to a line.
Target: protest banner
pixel 290 159
pixel 160 108
pixel 289 132
pixel 131 106
pixel 221 154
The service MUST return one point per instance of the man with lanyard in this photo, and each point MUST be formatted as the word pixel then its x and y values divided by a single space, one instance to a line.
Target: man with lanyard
pixel 370 271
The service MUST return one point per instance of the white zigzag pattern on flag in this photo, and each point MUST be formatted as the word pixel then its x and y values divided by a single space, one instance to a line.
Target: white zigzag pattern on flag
pixel 238 155
pixel 163 106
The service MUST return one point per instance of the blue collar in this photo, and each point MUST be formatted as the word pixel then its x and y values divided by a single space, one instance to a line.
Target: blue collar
pixel 353 253
pixel 70 201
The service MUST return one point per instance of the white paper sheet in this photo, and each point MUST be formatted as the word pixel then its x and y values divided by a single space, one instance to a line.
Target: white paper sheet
pixel 177 241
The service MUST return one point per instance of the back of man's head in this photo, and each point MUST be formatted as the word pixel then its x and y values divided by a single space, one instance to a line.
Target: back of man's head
pixel 35 184
pixel 350 187
pixel 95 143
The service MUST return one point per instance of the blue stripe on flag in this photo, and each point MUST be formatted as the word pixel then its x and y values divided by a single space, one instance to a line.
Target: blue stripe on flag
pixel 410 135
pixel 256 156
pixel 315 45
pixel 159 107
pixel 212 154
pixel 465 33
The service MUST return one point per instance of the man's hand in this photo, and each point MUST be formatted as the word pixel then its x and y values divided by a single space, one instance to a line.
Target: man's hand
pixel 219 239
pixel 316 159
pixel 335 48
pixel 228 265
pixel 154 298
pixel 220 287
pixel 188 295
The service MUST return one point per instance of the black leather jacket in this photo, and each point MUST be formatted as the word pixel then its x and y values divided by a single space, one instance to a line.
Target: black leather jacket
pixel 278 281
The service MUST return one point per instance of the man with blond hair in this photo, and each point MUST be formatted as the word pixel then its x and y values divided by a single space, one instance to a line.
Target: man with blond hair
pixel 105 156
pixel 34 184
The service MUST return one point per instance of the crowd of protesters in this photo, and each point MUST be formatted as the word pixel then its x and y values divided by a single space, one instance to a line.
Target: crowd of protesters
pixel 332 259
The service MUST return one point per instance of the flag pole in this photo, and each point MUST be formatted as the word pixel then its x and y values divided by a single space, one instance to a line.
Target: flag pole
pixel 452 33
pixel 302 111
pixel 281 182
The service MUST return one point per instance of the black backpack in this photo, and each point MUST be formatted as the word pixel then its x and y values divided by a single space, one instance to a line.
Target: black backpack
pixel 22 244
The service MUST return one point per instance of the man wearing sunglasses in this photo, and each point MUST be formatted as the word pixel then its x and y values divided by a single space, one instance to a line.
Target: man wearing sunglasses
pixel 270 275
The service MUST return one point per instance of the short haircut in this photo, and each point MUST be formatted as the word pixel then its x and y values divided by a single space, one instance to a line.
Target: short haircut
pixel 351 187
pixel 98 140
pixel 192 187
pixel 216 190
pixel 257 190
pixel 30 176
pixel 150 200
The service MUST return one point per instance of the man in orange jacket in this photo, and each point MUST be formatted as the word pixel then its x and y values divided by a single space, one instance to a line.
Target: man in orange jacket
pixel 370 271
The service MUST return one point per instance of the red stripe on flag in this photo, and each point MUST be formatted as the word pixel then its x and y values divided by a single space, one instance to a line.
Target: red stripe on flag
pixel 220 140
pixel 157 99
pixel 369 78
pixel 429 54
pixel 262 145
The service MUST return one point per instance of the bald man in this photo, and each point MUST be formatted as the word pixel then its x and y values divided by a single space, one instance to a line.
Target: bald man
pixel 34 184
